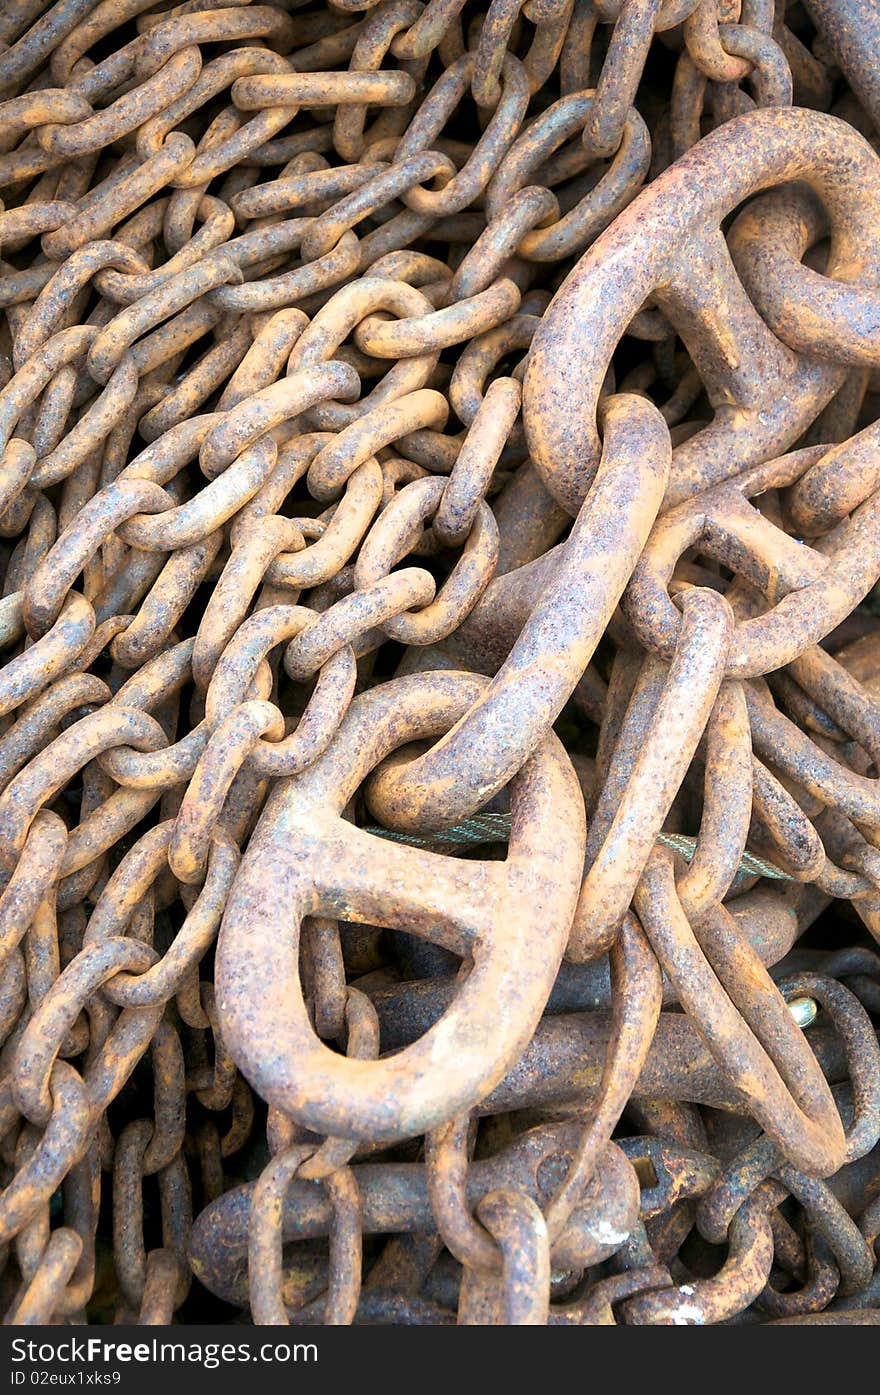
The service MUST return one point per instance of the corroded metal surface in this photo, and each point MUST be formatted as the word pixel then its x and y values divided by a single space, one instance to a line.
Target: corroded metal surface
pixel 440 683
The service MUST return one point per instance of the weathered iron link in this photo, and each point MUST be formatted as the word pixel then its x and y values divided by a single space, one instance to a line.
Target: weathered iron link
pixel 428 426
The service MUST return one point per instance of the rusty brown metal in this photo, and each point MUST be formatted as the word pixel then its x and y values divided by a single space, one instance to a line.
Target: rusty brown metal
pixel 439 662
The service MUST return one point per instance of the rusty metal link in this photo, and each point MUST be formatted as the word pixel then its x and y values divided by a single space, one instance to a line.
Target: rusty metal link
pixel 712 319
pixel 439 662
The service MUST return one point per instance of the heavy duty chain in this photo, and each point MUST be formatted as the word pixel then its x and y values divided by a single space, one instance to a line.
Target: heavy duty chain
pixel 440 686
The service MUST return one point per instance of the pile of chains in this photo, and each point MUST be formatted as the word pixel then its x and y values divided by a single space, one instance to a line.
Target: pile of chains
pixel 440 673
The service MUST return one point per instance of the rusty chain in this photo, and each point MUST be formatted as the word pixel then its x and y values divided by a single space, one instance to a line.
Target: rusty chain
pixel 440 683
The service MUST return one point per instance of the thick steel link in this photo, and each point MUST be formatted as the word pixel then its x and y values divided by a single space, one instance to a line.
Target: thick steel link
pixel 383 385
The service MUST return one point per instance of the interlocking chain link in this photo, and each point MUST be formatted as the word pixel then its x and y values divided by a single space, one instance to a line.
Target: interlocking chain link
pixel 439 726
